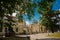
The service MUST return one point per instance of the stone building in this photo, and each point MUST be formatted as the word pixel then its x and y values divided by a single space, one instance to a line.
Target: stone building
pixel 22 28
pixel 36 28
pixel 18 27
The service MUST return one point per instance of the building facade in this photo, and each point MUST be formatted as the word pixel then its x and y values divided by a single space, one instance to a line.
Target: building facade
pixel 22 28
pixel 36 28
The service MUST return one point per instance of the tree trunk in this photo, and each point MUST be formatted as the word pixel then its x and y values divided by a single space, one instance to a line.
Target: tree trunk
pixel 52 30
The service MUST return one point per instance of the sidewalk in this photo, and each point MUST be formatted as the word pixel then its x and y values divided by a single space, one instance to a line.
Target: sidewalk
pixel 35 36
pixel 39 36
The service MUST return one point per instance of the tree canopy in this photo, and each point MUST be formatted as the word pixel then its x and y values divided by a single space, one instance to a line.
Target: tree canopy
pixel 49 16
pixel 27 7
pixel 18 6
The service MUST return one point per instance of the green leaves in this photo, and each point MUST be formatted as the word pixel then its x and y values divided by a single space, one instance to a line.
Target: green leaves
pixel 45 5
pixel 19 17
pixel 44 21
pixel 18 6
pixel 45 9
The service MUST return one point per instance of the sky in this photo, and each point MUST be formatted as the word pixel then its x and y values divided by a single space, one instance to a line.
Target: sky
pixel 36 17
pixel 56 6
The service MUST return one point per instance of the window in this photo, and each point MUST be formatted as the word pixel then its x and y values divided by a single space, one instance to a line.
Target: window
pixel 16 29
pixel 0 29
pixel 5 29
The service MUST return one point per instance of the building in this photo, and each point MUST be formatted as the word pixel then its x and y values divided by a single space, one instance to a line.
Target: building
pixel 17 27
pixel 22 28
pixel 36 28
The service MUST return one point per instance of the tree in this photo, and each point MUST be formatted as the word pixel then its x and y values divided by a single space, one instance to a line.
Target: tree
pixel 18 6
pixel 45 9
pixel 26 7
pixel 8 7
